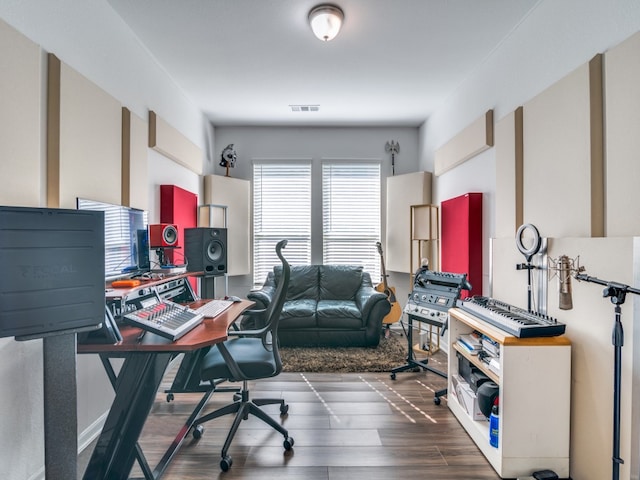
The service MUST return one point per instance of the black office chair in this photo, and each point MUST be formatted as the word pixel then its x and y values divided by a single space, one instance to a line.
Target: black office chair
pixel 250 355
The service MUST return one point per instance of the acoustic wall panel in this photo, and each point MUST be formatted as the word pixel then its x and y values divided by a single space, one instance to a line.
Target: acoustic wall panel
pixel 84 129
pixel 508 202
pixel 461 233
pixel 474 139
pixel 178 207
pixel 20 120
pixel 235 194
pixel 563 156
pixel 135 174
pixel 622 73
pixel 402 192
pixel 173 144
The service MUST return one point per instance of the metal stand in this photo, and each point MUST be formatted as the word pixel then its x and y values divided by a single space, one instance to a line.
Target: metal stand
pixel 411 360
pixel 617 292
pixel 60 413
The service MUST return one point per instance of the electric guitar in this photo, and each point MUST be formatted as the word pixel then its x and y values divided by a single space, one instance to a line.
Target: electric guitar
pixel 396 312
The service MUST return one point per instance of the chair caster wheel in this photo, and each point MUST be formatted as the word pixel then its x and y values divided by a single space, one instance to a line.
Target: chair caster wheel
pixel 284 409
pixel 393 376
pixel 170 397
pixel 197 432
pixel 436 400
pixel 225 463
pixel 288 443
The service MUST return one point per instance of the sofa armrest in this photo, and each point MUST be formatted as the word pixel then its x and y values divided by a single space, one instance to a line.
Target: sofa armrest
pixel 367 297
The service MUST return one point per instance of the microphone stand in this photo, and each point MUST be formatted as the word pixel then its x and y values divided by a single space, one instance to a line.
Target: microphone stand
pixel 617 292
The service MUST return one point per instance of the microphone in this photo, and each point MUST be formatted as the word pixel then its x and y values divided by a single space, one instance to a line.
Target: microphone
pixel 565 301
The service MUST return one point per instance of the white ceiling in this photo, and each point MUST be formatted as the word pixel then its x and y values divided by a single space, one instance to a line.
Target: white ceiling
pixel 244 62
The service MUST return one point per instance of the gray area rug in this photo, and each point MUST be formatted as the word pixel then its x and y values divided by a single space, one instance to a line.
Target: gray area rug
pixel 390 353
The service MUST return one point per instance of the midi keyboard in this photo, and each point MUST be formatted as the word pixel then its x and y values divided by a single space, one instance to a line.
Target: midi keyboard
pixel 511 319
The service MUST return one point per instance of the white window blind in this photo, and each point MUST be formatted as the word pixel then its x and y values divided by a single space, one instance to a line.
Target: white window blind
pixel 351 215
pixel 282 210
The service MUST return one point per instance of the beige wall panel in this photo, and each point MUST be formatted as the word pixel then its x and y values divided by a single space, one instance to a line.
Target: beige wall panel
pixel 90 141
pixel 471 141
pixel 622 82
pixel 172 144
pixel 135 172
pixel 20 119
pixel 402 192
pixel 589 327
pixel 508 147
pixel 235 193
pixel 560 189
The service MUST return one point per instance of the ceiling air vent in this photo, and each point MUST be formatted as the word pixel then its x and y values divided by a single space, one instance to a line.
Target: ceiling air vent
pixel 305 108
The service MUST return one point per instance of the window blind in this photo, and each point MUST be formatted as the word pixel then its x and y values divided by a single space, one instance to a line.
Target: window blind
pixel 282 210
pixel 351 215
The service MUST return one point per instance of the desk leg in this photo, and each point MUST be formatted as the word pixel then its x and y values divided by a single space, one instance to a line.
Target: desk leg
pixel 136 388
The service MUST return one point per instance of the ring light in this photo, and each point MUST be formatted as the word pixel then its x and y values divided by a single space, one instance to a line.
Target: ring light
pixel 537 241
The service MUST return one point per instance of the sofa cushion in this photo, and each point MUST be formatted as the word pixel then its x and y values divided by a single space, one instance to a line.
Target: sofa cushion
pixel 303 282
pixel 339 282
pixel 339 314
pixel 298 314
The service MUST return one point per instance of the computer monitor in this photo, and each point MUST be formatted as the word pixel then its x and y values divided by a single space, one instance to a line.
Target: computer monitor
pixel 126 252
pixel 52 278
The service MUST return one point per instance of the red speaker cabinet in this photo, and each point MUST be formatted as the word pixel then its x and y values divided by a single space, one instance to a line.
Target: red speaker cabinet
pixel 163 235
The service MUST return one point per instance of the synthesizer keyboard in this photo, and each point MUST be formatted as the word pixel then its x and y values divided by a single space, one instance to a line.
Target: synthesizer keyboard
pixel 214 307
pixel 511 319
pixel 164 318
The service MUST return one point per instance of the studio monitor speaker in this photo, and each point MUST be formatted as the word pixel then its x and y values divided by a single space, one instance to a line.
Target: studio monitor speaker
pixel 205 249
pixel 163 235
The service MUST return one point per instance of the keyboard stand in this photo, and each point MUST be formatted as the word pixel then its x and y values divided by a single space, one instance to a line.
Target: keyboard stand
pixel 412 363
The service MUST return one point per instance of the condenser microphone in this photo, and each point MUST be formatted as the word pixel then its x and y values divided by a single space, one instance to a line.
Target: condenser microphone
pixel 565 301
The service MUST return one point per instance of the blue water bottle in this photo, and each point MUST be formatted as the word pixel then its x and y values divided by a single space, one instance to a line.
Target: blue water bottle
pixel 494 426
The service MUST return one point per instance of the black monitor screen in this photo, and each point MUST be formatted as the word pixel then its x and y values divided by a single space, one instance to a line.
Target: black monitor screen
pixel 126 244
pixel 52 278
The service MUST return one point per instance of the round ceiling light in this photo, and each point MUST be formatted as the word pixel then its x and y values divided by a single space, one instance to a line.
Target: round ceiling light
pixel 325 21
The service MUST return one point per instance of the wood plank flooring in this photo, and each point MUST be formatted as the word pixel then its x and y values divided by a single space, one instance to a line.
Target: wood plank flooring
pixel 345 426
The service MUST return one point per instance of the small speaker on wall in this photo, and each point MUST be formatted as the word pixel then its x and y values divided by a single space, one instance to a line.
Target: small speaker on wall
pixel 205 249
pixel 163 235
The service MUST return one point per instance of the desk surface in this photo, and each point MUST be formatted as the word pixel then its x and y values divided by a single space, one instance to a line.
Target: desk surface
pixel 209 332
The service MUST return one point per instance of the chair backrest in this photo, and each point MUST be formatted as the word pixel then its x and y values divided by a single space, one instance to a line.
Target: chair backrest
pixel 273 311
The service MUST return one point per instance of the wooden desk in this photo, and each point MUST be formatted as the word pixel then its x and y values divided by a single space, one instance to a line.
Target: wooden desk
pixel 136 385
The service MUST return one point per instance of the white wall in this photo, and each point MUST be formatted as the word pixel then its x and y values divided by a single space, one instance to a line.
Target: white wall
pixel 315 144
pixel 554 40
pixel 90 38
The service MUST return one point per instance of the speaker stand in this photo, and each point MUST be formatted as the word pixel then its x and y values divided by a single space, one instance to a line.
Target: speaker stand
pixel 208 286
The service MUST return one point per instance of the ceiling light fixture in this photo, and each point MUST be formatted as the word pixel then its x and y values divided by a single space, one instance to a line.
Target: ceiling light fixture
pixel 325 21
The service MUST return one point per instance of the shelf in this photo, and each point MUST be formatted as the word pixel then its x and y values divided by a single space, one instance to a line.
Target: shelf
pixel 474 360
pixel 528 367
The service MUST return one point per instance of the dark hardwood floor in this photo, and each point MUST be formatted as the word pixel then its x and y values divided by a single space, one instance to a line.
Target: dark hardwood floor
pixel 345 426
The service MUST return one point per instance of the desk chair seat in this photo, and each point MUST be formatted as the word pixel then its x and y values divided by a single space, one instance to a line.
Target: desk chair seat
pixel 248 355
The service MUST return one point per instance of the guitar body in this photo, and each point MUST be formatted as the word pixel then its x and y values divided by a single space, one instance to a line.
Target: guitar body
pixel 396 311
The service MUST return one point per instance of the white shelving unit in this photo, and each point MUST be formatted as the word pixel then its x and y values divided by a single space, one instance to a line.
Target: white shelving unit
pixel 535 394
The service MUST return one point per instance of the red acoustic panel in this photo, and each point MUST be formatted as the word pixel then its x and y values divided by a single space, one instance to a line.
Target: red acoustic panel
pixel 178 207
pixel 461 233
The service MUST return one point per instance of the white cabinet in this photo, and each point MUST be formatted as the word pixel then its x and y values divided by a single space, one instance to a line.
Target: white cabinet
pixel 535 393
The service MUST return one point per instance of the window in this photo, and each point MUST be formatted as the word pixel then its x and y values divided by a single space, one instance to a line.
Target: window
pixel 281 209
pixel 351 215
